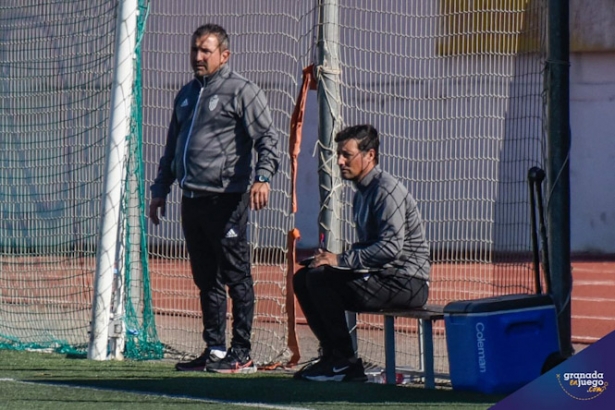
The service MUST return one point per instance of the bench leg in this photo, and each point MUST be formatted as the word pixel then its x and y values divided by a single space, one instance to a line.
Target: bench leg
pixel 389 349
pixel 351 322
pixel 426 326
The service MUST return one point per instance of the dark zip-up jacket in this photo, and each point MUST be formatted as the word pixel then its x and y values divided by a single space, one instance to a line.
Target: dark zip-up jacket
pixel 389 228
pixel 216 124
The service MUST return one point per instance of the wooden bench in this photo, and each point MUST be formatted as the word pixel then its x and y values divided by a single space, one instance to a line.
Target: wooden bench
pixel 425 316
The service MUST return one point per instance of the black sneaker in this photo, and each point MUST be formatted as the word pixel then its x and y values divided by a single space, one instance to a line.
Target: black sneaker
pixel 235 361
pixel 199 364
pixel 339 370
pixel 312 366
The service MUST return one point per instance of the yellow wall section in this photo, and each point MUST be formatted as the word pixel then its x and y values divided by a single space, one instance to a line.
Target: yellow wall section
pixel 592 25
pixel 472 27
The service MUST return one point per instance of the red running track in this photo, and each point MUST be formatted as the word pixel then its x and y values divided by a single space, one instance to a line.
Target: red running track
pixel 593 291
pixel 593 300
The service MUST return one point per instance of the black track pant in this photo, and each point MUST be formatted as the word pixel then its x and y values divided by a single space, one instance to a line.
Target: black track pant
pixel 325 294
pixel 215 231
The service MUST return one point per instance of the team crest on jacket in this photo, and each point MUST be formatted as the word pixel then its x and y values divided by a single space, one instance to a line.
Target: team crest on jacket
pixel 213 102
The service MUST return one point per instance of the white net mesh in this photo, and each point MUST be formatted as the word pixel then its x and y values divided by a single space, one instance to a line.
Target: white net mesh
pixel 55 65
pixel 455 90
pixel 454 87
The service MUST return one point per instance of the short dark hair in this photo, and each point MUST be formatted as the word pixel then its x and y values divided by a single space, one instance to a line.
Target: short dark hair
pixel 366 136
pixel 213 29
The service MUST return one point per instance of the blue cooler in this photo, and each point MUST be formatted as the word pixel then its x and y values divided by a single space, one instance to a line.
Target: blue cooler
pixel 498 344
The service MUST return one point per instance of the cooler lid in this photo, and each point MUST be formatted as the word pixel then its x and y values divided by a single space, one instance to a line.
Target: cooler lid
pixel 498 303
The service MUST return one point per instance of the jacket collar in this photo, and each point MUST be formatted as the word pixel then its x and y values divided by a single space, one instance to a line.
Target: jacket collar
pixel 221 73
pixel 367 179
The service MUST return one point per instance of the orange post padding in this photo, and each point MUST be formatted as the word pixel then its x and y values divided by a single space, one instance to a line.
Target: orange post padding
pixel 293 341
pixel 296 128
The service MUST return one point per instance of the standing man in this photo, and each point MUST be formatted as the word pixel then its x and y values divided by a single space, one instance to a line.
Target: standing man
pixel 387 268
pixel 218 119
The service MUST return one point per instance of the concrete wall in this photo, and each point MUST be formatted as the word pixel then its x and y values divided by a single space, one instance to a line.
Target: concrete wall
pixel 592 122
pixel 592 157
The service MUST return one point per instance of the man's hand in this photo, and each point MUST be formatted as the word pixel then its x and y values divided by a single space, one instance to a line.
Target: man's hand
pixel 259 195
pixel 324 258
pixel 153 209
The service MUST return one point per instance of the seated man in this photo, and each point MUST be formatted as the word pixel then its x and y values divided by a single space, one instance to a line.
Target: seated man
pixel 387 268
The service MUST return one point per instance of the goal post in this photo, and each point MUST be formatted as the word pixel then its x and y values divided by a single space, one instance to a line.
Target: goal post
pixel 107 261
pixel 558 167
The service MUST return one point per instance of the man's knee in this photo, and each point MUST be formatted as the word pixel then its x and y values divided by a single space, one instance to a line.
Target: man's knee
pixel 305 279
pixel 242 290
pixel 299 279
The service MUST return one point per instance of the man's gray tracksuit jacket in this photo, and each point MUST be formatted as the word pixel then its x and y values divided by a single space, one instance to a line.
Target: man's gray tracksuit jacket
pixel 211 152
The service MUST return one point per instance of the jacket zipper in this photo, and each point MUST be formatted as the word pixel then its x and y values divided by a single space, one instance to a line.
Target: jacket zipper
pixel 188 141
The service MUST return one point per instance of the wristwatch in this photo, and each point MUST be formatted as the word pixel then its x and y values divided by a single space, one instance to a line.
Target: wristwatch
pixel 262 178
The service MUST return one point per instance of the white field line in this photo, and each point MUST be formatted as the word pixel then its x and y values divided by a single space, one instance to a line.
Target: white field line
pixel 591 299
pixel 166 396
pixel 587 339
pixel 606 269
pixel 593 282
pixel 586 317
